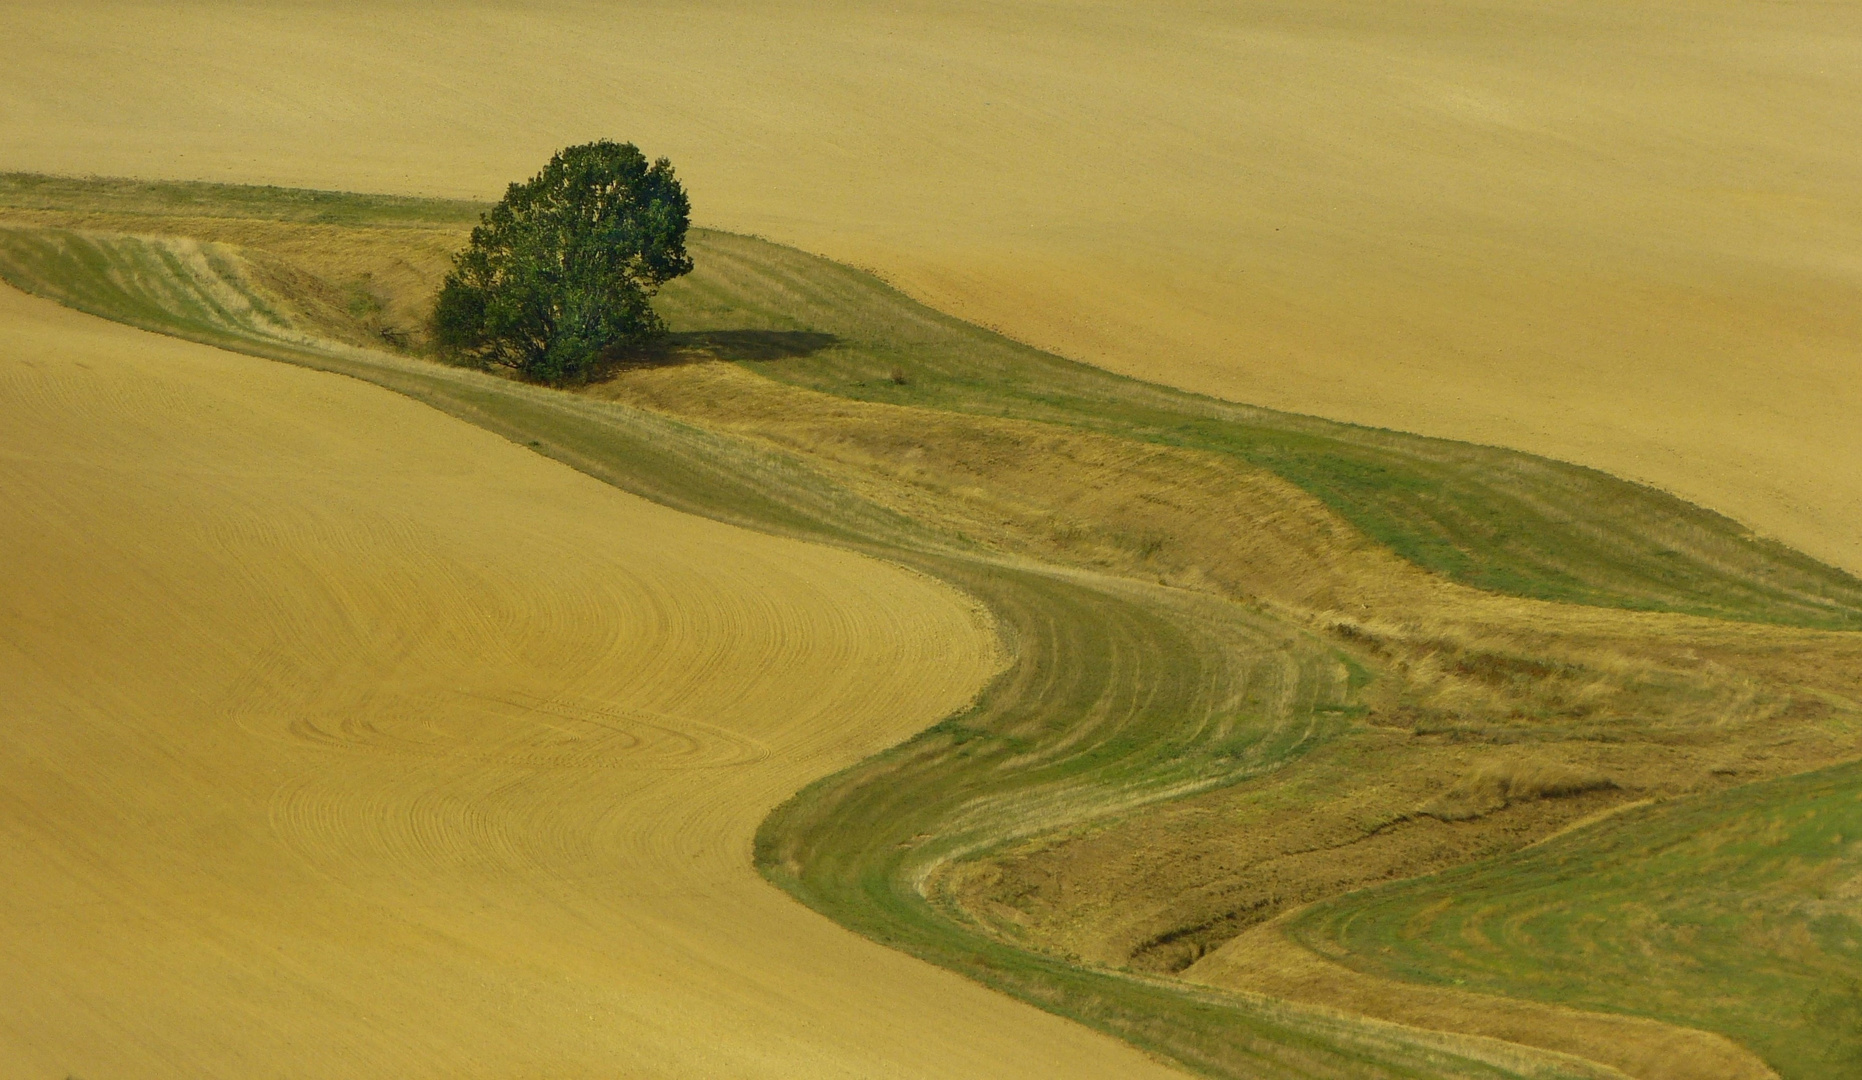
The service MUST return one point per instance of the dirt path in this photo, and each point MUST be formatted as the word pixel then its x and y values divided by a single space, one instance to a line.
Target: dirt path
pixel 343 739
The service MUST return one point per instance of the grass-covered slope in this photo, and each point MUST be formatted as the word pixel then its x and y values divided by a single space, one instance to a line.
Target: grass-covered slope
pixel 175 285
pixel 1740 912
pixel 172 198
pixel 1120 695
pixel 1492 518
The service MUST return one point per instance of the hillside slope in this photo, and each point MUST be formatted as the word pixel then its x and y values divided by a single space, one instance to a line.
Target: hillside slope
pixel 348 740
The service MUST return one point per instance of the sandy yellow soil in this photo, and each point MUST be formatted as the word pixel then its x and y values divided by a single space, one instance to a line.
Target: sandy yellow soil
pixel 343 739
pixel 1621 232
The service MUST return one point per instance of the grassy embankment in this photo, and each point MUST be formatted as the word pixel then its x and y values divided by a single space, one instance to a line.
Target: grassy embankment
pixel 1486 517
pixel 921 438
pixel 1735 912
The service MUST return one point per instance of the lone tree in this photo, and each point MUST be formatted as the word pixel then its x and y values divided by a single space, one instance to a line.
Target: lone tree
pixel 559 273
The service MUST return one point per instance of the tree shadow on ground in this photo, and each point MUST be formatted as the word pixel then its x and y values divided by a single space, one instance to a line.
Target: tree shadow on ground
pixel 700 346
pixel 737 345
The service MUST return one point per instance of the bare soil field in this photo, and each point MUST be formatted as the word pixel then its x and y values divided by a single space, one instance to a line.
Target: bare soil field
pixel 345 739
pixel 1621 234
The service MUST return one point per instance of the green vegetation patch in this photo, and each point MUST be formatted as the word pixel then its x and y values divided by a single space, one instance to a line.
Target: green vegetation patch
pixel 1119 695
pixel 172 286
pixel 1487 517
pixel 192 198
pixel 1739 912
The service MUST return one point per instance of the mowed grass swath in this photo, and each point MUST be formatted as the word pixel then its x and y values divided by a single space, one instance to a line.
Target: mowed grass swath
pixel 1391 603
pixel 1735 911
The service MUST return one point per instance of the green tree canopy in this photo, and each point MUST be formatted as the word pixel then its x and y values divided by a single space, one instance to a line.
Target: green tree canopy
pixel 560 272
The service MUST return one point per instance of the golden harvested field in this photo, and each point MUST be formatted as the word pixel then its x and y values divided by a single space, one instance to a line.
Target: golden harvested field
pixel 1620 233
pixel 345 739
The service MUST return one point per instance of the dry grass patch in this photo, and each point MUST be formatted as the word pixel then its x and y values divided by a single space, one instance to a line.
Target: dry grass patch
pixel 1496 785
pixel 1733 911
pixel 1264 960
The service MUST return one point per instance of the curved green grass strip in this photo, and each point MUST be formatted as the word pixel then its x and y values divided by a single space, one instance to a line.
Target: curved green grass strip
pixel 1487 517
pixel 171 286
pixel 1119 695
pixel 195 198
pixel 1739 912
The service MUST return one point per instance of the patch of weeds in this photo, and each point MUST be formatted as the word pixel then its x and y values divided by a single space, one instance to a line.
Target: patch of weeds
pixel 1708 912
pixel 360 299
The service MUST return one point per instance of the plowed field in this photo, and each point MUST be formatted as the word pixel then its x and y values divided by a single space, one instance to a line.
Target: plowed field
pixel 345 739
